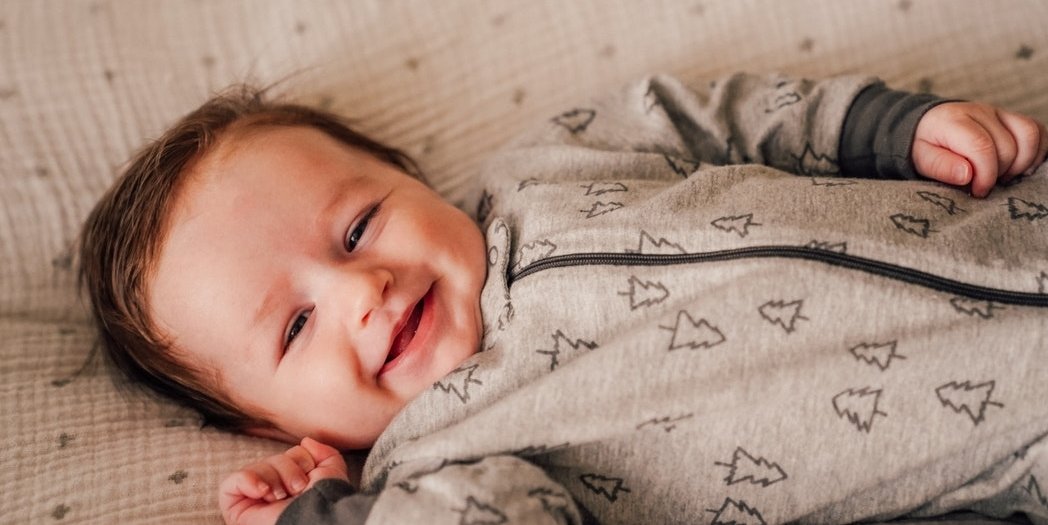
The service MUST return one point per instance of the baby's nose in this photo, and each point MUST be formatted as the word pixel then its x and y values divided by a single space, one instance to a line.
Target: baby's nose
pixel 363 292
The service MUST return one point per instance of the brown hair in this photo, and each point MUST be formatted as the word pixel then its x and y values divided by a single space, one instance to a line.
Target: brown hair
pixel 123 235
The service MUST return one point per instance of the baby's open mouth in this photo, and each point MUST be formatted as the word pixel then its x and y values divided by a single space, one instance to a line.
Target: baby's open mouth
pixel 407 333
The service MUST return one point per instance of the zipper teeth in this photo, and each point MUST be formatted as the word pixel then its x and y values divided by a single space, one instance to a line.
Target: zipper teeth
pixel 891 271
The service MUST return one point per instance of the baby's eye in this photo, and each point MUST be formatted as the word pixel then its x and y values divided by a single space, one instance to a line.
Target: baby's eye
pixel 296 327
pixel 358 232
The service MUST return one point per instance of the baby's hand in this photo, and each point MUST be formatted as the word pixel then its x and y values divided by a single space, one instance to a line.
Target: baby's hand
pixel 973 143
pixel 259 492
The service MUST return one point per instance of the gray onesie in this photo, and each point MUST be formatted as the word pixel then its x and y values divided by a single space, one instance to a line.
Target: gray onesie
pixel 680 329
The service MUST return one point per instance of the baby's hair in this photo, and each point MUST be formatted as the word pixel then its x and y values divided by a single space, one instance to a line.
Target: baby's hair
pixel 122 238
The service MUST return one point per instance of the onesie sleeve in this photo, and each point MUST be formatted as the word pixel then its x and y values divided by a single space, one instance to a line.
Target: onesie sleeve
pixel 496 489
pixel 846 125
pixel 328 501
pixel 877 139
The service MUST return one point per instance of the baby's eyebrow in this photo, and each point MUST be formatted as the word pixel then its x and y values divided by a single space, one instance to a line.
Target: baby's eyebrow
pixel 265 308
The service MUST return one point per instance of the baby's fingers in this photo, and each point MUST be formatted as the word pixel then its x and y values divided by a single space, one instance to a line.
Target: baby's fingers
pixel 941 164
pixel 329 462
pixel 240 484
pixel 973 141
pixel 291 469
pixel 239 492
pixel 1031 140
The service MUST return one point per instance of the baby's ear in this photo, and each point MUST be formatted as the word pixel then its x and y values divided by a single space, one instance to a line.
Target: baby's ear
pixel 272 433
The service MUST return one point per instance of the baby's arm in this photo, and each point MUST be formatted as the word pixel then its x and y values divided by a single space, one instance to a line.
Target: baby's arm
pixel 972 143
pixel 259 492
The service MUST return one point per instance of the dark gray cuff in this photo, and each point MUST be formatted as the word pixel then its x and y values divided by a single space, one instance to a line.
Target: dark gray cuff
pixel 877 138
pixel 328 501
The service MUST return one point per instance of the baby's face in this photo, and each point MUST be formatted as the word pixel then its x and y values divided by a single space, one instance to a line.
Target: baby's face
pixel 326 287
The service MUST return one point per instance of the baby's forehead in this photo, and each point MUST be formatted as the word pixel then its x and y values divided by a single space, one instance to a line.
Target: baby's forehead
pixel 242 141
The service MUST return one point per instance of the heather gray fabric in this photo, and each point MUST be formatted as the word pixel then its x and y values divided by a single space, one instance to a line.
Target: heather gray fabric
pixel 818 379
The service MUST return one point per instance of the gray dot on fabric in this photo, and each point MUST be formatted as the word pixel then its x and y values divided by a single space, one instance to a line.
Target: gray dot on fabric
pixel 924 85
pixel 41 171
pixel 411 63
pixel 178 477
pixel 429 143
pixel 65 439
pixel 207 60
pixel 807 44
pixel 498 20
pixel 109 74
pixel 698 9
pixel 300 27
pixel 905 5
pixel 607 51
pixel 1024 53
pixel 7 92
pixel 60 511
pixel 326 102
pixel 62 261
pixel 518 96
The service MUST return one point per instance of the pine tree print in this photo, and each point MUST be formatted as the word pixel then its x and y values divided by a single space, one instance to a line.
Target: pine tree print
pixel 534 251
pixel 600 188
pixel 645 293
pixel 758 471
pixel 600 208
pixel 457 382
pixel 1033 489
pixel 556 504
pixel 879 354
pixel 477 513
pixel 974 308
pixel 561 343
pixel 836 247
pixel 783 100
pixel 648 245
pixel 536 450
pixel 575 121
pixel 738 224
pixel 610 488
pixel 734 512
pixel 692 334
pixel 945 203
pixel 666 423
pixel 527 183
pixel 968 398
pixel 1031 211
pixel 858 406
pixel 783 314
pixel 912 225
pixel 830 182
pixel 682 167
pixel 810 163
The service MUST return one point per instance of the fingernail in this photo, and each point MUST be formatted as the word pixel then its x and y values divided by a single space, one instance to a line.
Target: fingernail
pixel 960 174
pixel 279 493
pixel 263 487
pixel 297 485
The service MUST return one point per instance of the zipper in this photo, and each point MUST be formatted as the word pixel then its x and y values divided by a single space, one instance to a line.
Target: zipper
pixel 852 262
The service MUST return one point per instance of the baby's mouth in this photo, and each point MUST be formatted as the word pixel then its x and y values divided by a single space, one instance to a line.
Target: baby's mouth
pixel 406 334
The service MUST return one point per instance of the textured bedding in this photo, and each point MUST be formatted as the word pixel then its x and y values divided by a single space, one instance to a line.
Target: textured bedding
pixel 83 83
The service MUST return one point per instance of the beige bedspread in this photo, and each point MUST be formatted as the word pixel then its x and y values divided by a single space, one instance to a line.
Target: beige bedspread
pixel 83 83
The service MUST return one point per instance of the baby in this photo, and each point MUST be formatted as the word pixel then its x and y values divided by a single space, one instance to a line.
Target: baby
pixel 293 279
